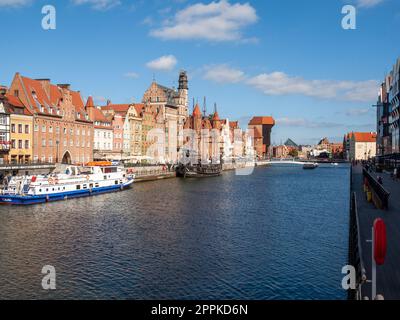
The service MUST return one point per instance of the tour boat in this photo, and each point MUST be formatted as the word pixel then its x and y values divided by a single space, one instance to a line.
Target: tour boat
pixel 73 182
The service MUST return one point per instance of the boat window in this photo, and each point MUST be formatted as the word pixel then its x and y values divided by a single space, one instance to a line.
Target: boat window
pixel 91 185
pixel 116 182
pixel 97 185
pixel 105 177
pixel 85 186
pixel 78 187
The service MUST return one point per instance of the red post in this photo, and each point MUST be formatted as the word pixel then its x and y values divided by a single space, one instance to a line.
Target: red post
pixel 380 242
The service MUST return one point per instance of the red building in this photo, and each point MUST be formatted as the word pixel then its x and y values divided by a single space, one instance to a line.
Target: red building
pixel 261 127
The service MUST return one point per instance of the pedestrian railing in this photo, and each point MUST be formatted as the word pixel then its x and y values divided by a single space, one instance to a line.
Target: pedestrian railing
pixel 355 251
pixel 378 189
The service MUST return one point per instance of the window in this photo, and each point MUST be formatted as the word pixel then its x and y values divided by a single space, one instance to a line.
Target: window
pixel 44 128
pixel 16 93
pixel 26 144
pixel 58 130
pixel 50 143
pixel 19 144
pixel 26 128
pixel 65 130
pixel 51 129
pixel 20 128
pixel 36 128
pixel 43 142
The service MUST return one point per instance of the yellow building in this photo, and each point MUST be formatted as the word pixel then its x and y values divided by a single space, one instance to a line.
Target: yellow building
pixel 21 132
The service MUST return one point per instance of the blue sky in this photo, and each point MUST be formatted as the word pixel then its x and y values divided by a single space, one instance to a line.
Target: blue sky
pixel 289 59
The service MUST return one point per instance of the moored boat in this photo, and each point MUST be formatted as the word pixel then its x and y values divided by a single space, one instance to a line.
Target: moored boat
pixel 310 166
pixel 199 170
pixel 73 182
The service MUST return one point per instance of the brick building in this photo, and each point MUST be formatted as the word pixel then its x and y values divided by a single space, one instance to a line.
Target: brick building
pixel 261 127
pixel 62 129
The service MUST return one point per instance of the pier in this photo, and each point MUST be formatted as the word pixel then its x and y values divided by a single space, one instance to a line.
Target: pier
pixel 388 275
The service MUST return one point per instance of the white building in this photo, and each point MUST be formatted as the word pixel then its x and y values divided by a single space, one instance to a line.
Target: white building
pixel 362 145
pixel 103 130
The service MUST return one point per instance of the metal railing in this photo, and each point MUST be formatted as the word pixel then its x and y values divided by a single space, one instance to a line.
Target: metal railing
pixel 355 251
pixel 25 164
pixel 378 189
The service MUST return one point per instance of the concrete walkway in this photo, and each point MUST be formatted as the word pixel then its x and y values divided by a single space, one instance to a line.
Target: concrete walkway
pixel 388 275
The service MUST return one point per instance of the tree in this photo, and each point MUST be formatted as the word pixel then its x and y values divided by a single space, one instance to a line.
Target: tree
pixel 294 153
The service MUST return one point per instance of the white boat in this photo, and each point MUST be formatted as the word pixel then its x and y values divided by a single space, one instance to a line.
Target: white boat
pixel 310 166
pixel 74 182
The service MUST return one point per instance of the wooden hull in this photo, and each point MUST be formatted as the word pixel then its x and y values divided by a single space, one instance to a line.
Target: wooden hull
pixel 198 171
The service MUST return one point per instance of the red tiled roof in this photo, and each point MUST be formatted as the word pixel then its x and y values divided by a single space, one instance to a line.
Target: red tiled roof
pixel 196 111
pixel 16 102
pixel 89 102
pixel 262 121
pixel 364 136
pixel 120 108
pixel 234 124
pixel 216 116
pixel 139 108
pixel 37 94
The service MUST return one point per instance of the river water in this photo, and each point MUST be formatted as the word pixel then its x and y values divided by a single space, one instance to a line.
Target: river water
pixel 280 233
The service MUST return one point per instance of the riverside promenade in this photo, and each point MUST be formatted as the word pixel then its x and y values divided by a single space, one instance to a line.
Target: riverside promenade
pixel 388 275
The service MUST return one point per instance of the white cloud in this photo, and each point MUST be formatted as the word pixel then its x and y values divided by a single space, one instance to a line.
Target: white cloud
pixel 98 4
pixel 223 74
pixel 14 3
pixel 279 83
pixel 368 3
pixel 132 75
pixel 301 122
pixel 216 21
pixel 164 63
pixel 358 112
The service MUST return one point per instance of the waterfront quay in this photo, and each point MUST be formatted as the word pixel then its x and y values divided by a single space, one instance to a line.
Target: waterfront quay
pixel 388 274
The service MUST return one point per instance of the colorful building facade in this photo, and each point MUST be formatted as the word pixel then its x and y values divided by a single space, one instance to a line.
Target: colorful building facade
pixel 62 129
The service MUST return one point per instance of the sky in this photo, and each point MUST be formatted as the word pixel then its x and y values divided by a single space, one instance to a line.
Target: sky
pixel 288 59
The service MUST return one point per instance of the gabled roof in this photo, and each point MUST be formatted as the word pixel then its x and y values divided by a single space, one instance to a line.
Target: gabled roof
pixel 37 96
pixel 290 143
